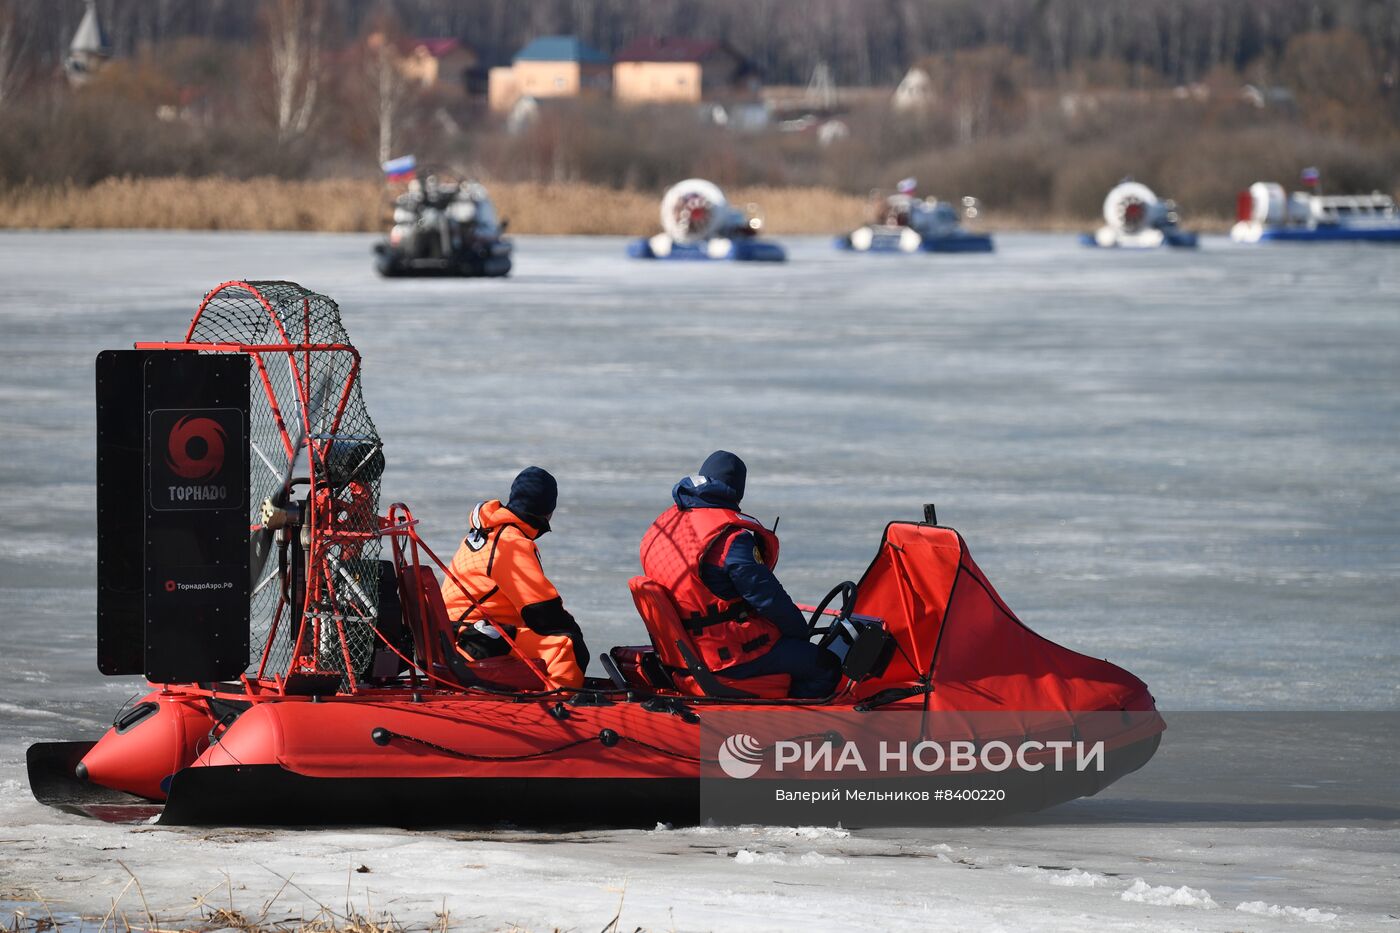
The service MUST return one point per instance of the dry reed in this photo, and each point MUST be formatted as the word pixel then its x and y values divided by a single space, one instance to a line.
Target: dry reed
pixel 195 204
pixel 357 206
pixel 204 915
pixel 342 206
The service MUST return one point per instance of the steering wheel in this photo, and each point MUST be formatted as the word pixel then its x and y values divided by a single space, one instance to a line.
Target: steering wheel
pixel 847 591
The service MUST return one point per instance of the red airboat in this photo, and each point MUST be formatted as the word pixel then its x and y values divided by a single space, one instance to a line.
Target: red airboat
pixel 303 673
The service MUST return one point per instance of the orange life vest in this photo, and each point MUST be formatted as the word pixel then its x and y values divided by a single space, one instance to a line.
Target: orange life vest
pixel 725 632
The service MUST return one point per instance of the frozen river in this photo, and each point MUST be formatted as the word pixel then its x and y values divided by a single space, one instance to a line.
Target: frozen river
pixel 1186 463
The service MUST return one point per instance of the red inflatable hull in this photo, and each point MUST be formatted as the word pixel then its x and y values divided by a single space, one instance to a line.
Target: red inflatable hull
pixel 963 668
pixel 453 759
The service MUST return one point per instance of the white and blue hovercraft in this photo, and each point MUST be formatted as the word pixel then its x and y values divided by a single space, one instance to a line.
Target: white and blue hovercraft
pixel 906 223
pixel 1134 218
pixel 1269 214
pixel 698 223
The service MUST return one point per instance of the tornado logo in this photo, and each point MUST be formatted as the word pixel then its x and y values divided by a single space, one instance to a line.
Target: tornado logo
pixel 196 448
pixel 740 756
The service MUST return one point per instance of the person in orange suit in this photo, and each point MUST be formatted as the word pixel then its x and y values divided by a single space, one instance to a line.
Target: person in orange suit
pixel 503 582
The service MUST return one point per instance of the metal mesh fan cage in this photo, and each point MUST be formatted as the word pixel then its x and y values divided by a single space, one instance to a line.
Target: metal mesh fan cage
pixel 307 421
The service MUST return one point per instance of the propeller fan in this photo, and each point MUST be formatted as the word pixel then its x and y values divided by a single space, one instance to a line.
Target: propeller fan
pixel 273 514
pixel 695 210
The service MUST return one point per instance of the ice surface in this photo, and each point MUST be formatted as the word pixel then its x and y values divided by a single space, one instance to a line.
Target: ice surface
pixel 1185 463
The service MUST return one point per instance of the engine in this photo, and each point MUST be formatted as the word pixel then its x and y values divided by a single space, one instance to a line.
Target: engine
pixel 1132 207
pixel 696 209
pixel 1136 218
pixel 1269 204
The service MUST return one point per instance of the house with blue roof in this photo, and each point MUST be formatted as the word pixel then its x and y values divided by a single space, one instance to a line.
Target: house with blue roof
pixel 551 66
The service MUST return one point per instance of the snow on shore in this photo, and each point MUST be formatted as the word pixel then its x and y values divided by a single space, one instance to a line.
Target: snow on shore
pixel 1063 874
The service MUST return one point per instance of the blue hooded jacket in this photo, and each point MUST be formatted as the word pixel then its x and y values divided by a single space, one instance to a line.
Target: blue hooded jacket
pixel 742 576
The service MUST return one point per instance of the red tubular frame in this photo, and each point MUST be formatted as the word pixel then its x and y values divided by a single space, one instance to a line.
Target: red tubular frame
pixel 398 523
pixel 320 537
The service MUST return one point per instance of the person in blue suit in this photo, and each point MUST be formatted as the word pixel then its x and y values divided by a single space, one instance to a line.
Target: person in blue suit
pixel 745 623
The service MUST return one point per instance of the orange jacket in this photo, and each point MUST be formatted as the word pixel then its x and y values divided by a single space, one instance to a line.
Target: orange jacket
pixel 499 565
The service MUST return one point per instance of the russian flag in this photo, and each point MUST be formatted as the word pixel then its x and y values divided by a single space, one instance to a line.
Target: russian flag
pixel 1310 176
pixel 400 168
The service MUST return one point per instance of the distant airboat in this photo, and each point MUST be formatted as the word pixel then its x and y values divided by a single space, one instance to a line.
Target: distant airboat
pixel 1269 214
pixel 698 222
pixel 1135 218
pixel 444 228
pixel 905 223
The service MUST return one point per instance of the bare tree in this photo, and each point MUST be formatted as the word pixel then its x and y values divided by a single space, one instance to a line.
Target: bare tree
pixel 10 47
pixel 293 31
pixel 388 95
pixel 388 88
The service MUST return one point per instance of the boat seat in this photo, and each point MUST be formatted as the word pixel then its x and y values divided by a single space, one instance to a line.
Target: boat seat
pixel 681 659
pixel 434 636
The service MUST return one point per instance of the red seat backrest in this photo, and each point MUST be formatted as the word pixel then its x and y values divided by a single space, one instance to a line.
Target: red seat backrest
pixel 434 634
pixel 426 614
pixel 663 620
